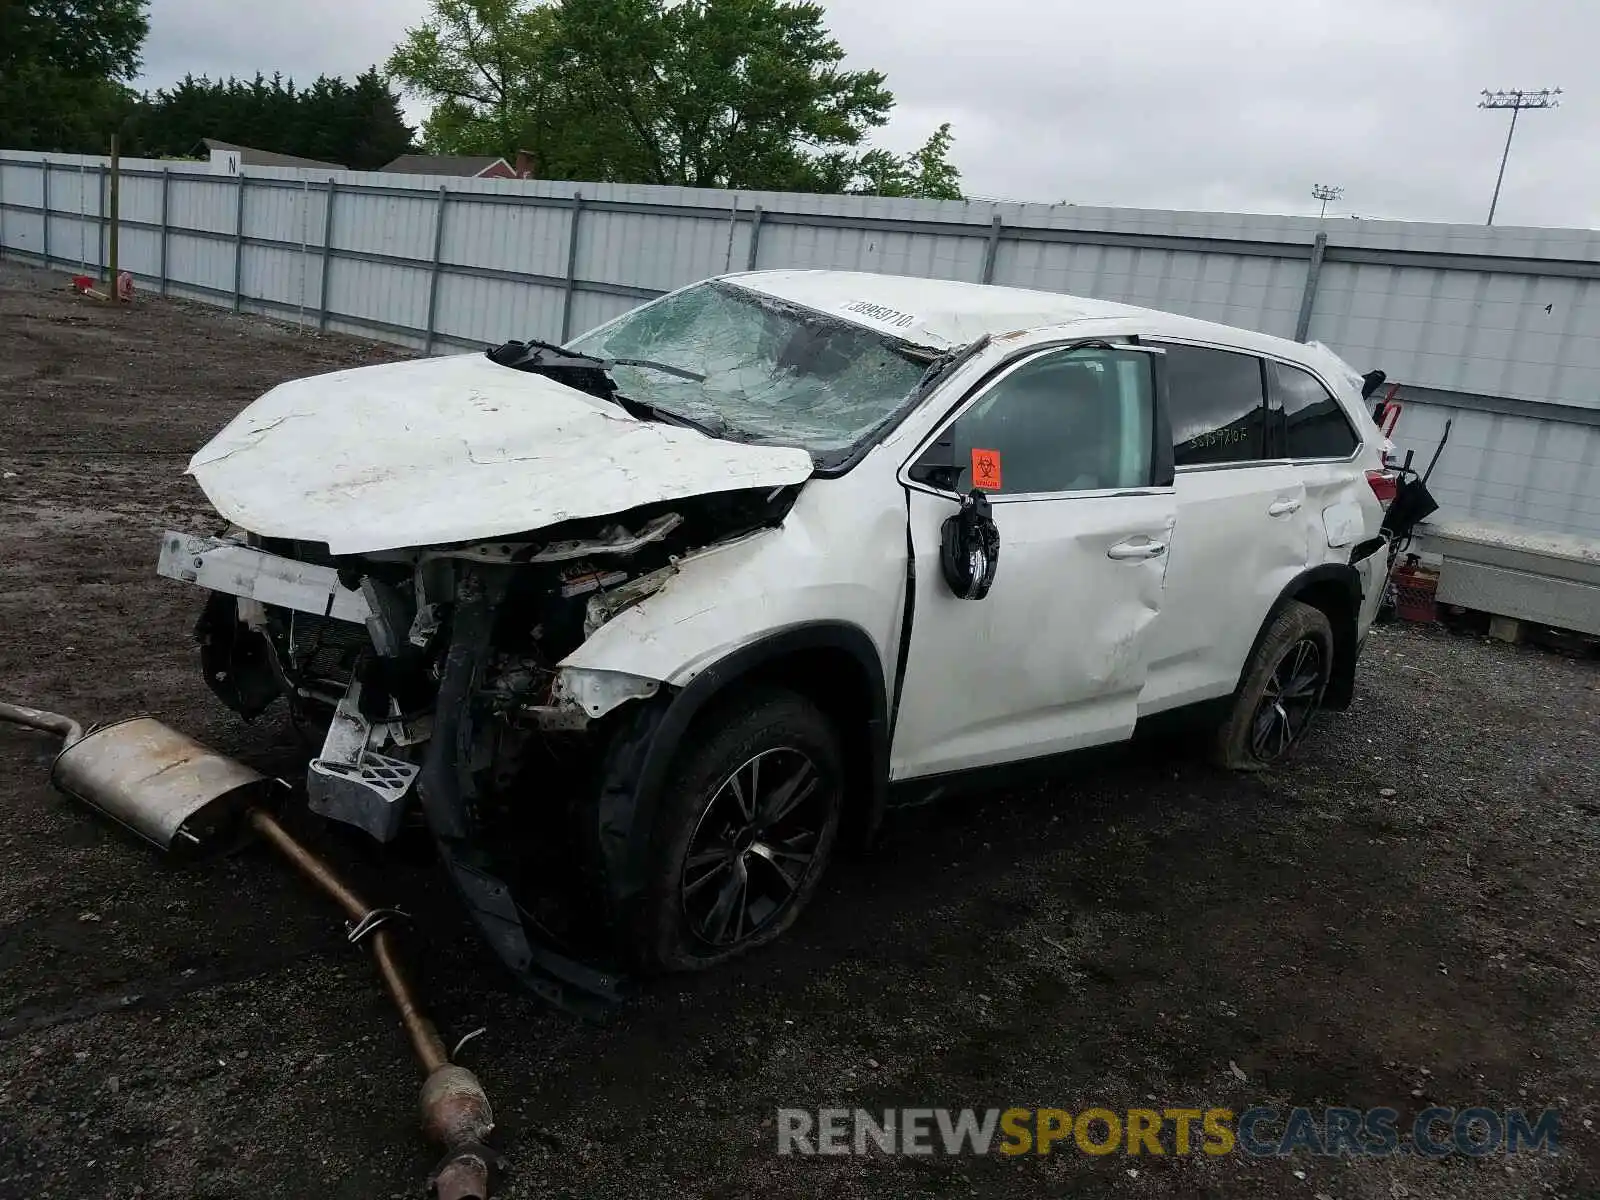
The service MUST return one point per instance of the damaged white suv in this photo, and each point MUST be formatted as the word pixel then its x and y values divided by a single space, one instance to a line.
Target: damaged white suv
pixel 675 608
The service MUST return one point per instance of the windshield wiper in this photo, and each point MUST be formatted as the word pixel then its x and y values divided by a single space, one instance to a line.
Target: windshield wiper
pixel 664 368
pixel 582 372
pixel 649 412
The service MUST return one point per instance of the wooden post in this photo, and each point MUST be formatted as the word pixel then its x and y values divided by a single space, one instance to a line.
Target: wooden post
pixel 116 213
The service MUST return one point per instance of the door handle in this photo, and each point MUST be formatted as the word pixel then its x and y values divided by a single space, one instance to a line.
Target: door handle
pixel 1124 551
pixel 1282 508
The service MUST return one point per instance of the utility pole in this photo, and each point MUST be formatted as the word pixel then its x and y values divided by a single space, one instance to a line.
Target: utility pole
pixel 1516 101
pixel 1325 192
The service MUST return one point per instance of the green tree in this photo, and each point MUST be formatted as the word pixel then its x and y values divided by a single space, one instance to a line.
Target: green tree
pixel 64 65
pixel 699 93
pixel 358 124
pixel 491 69
pixel 926 172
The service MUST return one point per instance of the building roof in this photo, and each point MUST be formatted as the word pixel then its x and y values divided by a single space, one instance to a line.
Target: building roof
pixel 466 165
pixel 251 157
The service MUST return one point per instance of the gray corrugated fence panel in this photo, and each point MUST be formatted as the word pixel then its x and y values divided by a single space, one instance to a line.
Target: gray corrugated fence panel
pixel 1510 470
pixel 594 308
pixel 196 203
pixel 402 227
pixel 660 253
pixel 521 238
pixel 491 311
pixel 200 260
pixel 1513 335
pixel 1253 291
pixel 393 294
pixel 22 183
pixel 842 248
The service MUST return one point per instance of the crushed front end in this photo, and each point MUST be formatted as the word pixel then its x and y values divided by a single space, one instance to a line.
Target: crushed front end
pixel 433 680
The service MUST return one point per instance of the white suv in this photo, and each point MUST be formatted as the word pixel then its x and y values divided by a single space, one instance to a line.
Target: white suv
pixel 687 600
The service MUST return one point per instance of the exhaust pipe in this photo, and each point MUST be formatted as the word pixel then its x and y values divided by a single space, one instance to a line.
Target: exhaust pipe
pixel 183 798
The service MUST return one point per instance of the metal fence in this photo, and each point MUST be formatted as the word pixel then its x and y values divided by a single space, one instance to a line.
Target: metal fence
pixel 1498 327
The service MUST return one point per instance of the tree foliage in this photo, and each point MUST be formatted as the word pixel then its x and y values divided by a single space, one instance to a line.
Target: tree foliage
pixel 63 69
pixel 699 93
pixel 358 124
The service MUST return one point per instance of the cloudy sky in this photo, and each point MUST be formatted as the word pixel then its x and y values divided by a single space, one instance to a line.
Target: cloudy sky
pixel 1236 105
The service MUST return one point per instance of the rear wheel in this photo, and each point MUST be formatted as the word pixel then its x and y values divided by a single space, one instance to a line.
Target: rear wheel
pixel 746 825
pixel 1282 690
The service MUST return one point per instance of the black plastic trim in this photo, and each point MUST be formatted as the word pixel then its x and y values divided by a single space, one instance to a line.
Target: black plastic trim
pixel 907 616
pixel 685 705
pixel 1346 644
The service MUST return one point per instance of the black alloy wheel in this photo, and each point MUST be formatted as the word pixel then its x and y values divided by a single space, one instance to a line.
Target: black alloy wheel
pixel 754 847
pixel 1292 694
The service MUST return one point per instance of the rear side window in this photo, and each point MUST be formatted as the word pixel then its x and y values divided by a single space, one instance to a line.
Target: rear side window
pixel 1305 420
pixel 1217 406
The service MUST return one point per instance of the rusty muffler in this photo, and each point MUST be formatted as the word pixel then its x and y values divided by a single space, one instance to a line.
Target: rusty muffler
pixel 181 797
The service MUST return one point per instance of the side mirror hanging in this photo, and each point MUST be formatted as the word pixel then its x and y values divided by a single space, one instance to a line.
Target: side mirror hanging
pixel 969 548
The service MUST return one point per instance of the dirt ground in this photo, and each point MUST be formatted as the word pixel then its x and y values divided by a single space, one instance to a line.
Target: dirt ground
pixel 1127 936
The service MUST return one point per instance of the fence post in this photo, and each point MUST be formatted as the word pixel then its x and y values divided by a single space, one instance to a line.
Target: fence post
pixel 991 250
pixel 100 255
pixel 572 267
pixel 755 239
pixel 1302 325
pixel 44 211
pixel 113 261
pixel 433 276
pixel 166 187
pixel 238 246
pixel 327 257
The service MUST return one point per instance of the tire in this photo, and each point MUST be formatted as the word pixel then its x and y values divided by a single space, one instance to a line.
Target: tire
pixel 705 840
pixel 1288 671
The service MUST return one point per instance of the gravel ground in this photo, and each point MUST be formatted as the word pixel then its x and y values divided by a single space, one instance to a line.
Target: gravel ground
pixel 1143 932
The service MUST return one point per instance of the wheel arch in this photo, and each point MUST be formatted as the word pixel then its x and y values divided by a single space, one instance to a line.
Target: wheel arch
pixel 1335 590
pixel 834 664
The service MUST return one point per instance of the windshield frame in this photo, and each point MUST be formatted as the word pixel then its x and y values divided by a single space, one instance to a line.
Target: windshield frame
pixel 834 461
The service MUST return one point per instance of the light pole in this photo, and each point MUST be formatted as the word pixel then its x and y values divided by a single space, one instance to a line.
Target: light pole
pixel 1516 100
pixel 1325 192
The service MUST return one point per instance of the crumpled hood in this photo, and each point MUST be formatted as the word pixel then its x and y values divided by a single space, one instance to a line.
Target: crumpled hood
pixel 452 450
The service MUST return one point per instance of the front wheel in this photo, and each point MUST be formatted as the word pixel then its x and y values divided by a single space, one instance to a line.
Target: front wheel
pixel 1282 690
pixel 746 826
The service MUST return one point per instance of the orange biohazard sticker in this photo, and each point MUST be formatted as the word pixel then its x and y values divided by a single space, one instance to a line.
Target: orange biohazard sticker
pixel 986 469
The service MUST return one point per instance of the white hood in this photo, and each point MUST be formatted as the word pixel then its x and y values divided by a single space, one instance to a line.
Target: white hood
pixel 453 450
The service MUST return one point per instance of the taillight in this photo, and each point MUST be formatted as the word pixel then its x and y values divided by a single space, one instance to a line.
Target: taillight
pixel 1385 485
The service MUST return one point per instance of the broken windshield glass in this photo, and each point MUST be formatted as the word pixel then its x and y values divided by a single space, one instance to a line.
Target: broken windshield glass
pixel 766 370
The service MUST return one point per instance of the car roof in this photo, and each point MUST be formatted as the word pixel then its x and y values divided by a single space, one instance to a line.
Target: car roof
pixel 943 314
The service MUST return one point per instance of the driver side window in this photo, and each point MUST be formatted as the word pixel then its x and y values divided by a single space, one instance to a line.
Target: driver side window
pixel 1066 421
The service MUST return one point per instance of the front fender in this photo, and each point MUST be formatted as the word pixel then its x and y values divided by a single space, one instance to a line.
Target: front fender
pixel 838 556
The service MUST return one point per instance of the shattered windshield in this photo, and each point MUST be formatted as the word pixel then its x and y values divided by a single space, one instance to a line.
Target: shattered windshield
pixel 758 368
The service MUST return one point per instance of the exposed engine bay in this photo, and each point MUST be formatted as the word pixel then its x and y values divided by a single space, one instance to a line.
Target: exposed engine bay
pixel 433 675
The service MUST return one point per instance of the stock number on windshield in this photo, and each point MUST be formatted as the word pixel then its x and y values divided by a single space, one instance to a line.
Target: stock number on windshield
pixel 881 314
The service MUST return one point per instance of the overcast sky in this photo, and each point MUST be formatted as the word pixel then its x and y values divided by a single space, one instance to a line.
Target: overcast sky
pixel 1233 105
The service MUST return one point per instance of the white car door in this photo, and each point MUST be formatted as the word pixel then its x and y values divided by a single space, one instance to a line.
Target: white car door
pixel 1241 526
pixel 1310 428
pixel 1068 445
